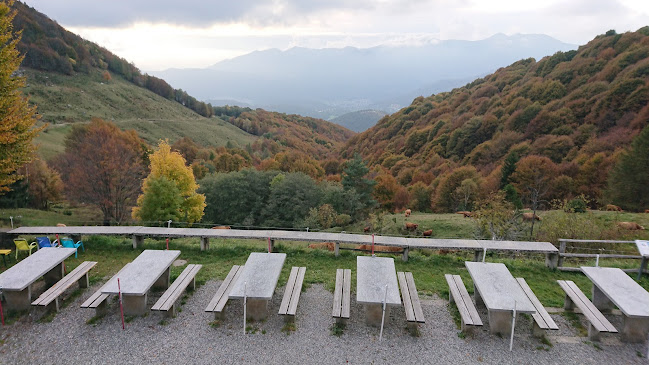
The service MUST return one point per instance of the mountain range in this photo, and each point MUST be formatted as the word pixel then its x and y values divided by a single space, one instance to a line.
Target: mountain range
pixel 327 83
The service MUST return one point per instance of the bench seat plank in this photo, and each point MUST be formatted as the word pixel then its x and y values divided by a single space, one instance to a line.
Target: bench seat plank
pixel 542 317
pixel 594 316
pixel 297 290
pixel 342 294
pixel 347 285
pixel 338 294
pixel 176 289
pixel 62 285
pixel 221 297
pixel 98 297
pixel 465 306
pixel 405 294
pixel 283 308
pixel 414 298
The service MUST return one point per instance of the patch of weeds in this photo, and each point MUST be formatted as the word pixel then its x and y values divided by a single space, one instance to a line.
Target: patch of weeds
pixel 575 322
pixel 215 324
pixel 461 335
pixel 414 331
pixel 251 329
pixel 337 329
pixel 455 314
pixel 163 322
pixel 129 319
pixel 639 354
pixel 594 344
pixel 47 317
pixel 546 341
pixel 13 316
pixel 263 332
pixel 289 327
pixel 94 320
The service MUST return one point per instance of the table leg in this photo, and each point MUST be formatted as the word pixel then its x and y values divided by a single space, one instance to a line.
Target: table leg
pixel 500 322
pixel 134 305
pixel 635 329
pixel 54 275
pixel 256 309
pixel 477 297
pixel 18 300
pixel 643 267
pixel 374 314
pixel 601 301
pixel 163 280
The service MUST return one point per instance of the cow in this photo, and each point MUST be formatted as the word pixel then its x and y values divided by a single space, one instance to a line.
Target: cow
pixel 428 233
pixel 323 246
pixel 380 248
pixel 646 210
pixel 613 208
pixel 60 225
pixel 528 217
pixel 630 225
pixel 465 213
pixel 411 226
pixel 367 229
pixel 222 227
pixel 408 211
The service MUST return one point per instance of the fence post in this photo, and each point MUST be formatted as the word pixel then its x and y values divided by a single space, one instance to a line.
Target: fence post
pixel 562 249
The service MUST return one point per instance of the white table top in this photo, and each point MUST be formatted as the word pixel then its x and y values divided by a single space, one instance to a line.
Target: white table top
pixel 27 271
pixel 498 288
pixel 260 275
pixel 142 273
pixel 372 275
pixel 624 292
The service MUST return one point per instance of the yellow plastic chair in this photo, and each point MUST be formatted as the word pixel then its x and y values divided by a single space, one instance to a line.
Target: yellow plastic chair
pixel 22 245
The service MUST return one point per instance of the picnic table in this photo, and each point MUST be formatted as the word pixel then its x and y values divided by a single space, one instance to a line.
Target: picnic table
pixel 496 288
pixel 375 275
pixel 257 282
pixel 16 282
pixel 149 269
pixel 612 286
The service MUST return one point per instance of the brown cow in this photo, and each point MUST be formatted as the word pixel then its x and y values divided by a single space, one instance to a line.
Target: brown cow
pixel 428 233
pixel 630 225
pixel 222 227
pixel 367 229
pixel 60 225
pixel 613 208
pixel 323 246
pixel 465 213
pixel 408 211
pixel 528 217
pixel 380 248
pixel 411 226
pixel 646 210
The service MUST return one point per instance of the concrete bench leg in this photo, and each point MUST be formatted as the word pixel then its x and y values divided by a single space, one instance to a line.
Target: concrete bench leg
pixel 552 260
pixel 84 282
pixel 478 299
pixel 18 300
pixel 536 330
pixel 601 301
pixel 102 309
pixel 163 280
pixel 54 306
pixel 593 333
pixel 405 254
pixel 54 275
pixel 374 313
pixel 568 304
pixel 257 309
pixel 635 329
pixel 500 322
pixel 341 321
pixel 134 305
pixel 337 249
pixel 205 243
pixel 171 313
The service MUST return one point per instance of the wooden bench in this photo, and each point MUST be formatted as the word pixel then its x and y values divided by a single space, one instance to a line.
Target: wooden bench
pixel 412 306
pixel 167 301
pixel 459 295
pixel 97 301
pixel 342 295
pixel 50 298
pixel 597 322
pixel 292 293
pixel 221 297
pixel 542 319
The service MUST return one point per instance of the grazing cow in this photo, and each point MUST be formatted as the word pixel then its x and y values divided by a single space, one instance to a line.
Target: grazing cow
pixel 630 225
pixel 411 226
pixel 323 246
pixel 408 211
pixel 428 233
pixel 646 210
pixel 221 227
pixel 380 248
pixel 613 208
pixel 465 213
pixel 367 229
pixel 60 225
pixel 528 217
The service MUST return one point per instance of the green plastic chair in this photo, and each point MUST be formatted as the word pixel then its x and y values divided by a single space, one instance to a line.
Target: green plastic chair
pixel 22 245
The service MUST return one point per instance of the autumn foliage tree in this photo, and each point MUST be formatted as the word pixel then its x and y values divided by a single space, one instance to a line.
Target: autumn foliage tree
pixel 17 117
pixel 44 184
pixel 628 183
pixel 180 186
pixel 103 165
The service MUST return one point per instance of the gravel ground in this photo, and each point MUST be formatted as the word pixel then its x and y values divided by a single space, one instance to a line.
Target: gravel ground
pixel 189 338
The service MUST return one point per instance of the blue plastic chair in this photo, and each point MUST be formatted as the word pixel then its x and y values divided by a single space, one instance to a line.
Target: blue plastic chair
pixel 45 242
pixel 69 243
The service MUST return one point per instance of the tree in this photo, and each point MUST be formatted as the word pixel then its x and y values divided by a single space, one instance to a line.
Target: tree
pixel 162 201
pixel 509 166
pixel 449 195
pixel 385 189
pixel 496 218
pixel 44 184
pixel 354 179
pixel 533 178
pixel 420 197
pixel 628 183
pixel 103 165
pixel 291 198
pixel 171 165
pixel 17 117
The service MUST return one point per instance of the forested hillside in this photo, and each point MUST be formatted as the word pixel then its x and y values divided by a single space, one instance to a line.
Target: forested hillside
pixel 570 113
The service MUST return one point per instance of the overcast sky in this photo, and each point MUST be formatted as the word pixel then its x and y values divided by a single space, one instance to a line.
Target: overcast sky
pixel 161 34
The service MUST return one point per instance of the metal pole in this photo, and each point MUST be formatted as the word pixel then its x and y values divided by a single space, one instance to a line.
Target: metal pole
pixel 597 261
pixel 169 223
pixel 245 300
pixel 511 339
pixel 484 254
pixel 121 307
pixel 385 298
pixel 372 244
pixel 2 315
pixel 12 222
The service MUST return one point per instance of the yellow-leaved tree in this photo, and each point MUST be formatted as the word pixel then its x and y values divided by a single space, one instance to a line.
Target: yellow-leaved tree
pixel 17 117
pixel 169 192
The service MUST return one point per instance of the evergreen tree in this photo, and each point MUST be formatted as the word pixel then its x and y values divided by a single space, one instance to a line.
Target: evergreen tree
pixel 17 118
pixel 628 183
pixel 509 166
pixel 354 179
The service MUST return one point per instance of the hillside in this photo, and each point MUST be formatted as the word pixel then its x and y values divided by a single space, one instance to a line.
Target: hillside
pixel 359 121
pixel 578 108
